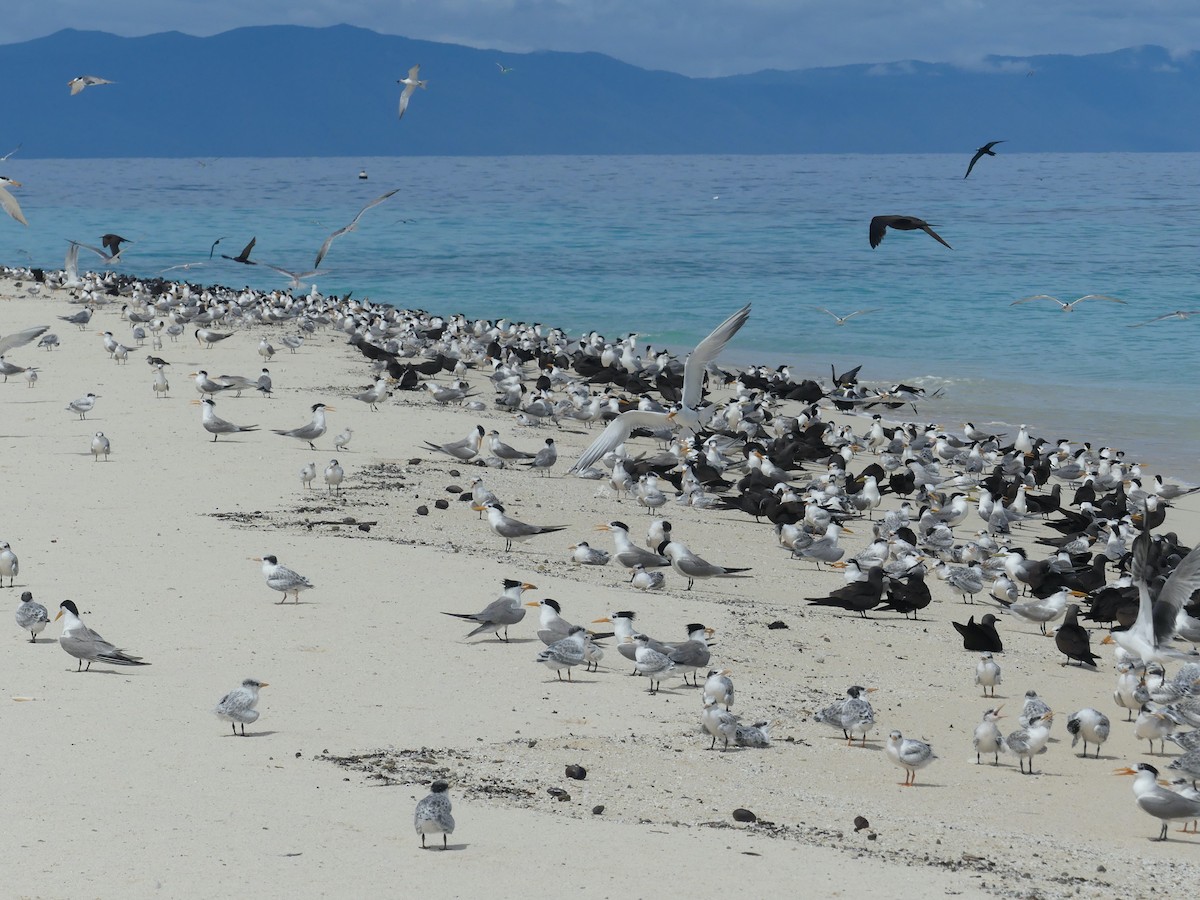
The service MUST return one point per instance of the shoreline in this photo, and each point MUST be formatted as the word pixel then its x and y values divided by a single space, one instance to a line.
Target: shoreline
pixel 367 662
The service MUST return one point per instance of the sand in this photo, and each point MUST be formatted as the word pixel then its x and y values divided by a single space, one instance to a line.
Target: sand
pixel 121 781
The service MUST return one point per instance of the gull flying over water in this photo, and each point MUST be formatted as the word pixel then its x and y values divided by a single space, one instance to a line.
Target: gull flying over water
pixel 1064 306
pixel 353 224
pixel 79 82
pixel 411 83
pixel 985 150
pixel 901 223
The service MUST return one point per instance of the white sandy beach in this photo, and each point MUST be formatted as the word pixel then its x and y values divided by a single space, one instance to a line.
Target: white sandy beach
pixel 121 781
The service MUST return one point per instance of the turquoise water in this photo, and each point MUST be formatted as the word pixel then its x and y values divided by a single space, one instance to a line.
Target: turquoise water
pixel 668 246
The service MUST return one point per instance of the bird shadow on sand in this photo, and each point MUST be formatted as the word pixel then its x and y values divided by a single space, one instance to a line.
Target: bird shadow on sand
pixel 99 671
pixel 921 784
pixel 490 643
pixel 437 849
pixel 573 681
pixel 251 734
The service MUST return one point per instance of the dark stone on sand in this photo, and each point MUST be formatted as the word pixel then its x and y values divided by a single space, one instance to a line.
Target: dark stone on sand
pixel 422 510
pixel 415 461
pixel 744 815
pixel 558 794
pixel 364 527
pixel 454 473
pixel 453 489
pixel 577 772
pixel 860 823
pixel 465 496
pixel 777 624
pixel 442 504
pixel 598 810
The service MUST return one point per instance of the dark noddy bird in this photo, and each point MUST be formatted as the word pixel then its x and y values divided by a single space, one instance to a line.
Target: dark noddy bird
pixel 985 150
pixel 901 223
pixel 858 596
pixel 112 243
pixel 1072 639
pixel 244 256
pixel 980 636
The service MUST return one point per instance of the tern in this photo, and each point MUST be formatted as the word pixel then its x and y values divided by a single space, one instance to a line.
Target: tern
pixel 354 222
pixel 842 320
pixel 100 446
pixel 462 450
pixel 909 755
pixel 237 707
pixel 214 424
pixel 8 202
pixel 1149 637
pixel 9 564
pixel 691 566
pixel 1088 725
pixel 1158 801
pixel 83 405
pixel 687 415
pixel 511 529
pixel 565 654
pixel 313 430
pixel 20 338
pixel 411 83
pixel 282 579
pixel 84 644
pixel 31 616
pixel 79 82
pixel 505 610
pixel 1177 314
pixel 433 814
pixel 1063 305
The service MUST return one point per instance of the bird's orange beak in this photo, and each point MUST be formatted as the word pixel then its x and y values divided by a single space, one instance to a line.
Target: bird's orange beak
pixel 59 616
pixel 1125 771
pixel 598 621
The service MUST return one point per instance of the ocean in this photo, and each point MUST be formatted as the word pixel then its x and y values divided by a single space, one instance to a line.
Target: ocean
pixel 669 246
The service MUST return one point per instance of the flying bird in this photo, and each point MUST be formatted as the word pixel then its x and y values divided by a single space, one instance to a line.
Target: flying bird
pixel 985 150
pixel 1067 307
pixel 1177 314
pixel 80 82
pixel 901 223
pixel 244 256
pixel 20 338
pixel 842 320
pixel 353 224
pixel 8 202
pixel 112 243
pixel 10 152
pixel 410 83
pixel 504 70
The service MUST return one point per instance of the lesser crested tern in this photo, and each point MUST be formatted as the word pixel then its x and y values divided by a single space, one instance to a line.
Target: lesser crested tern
pixel 565 654
pixel 83 405
pixel 100 446
pixel 214 424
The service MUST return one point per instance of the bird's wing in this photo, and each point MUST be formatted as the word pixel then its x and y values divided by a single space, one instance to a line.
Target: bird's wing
pixel 354 222
pixel 20 338
pixel 618 432
pixel 374 202
pixel 214 246
pixel 1036 297
pixel 859 312
pixel 878 228
pixel 1099 297
pixel 974 159
pixel 1176 592
pixel 10 205
pixel 937 237
pixel 707 351
pixel 404 95
pixel 76 85
pixel 100 253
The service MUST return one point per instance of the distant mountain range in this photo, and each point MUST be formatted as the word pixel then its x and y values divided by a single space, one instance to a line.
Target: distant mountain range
pixel 292 91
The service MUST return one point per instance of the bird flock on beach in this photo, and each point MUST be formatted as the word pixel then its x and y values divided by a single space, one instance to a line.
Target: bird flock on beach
pixel 1043 534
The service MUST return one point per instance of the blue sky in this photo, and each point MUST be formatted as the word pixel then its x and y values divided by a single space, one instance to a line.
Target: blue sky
pixel 695 37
